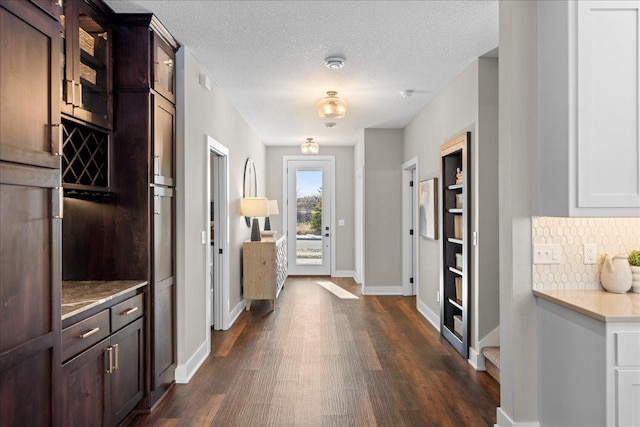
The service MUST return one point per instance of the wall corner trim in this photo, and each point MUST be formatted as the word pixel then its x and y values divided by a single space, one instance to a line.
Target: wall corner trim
pixel 429 314
pixel 185 372
pixel 503 420
pixel 344 273
pixel 476 360
pixel 235 313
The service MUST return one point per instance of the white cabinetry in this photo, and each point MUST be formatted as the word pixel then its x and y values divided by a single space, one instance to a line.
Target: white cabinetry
pixel 588 108
pixel 589 371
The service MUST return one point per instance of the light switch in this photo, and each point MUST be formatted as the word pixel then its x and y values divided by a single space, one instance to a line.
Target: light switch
pixel 204 237
pixel 547 253
pixel 341 222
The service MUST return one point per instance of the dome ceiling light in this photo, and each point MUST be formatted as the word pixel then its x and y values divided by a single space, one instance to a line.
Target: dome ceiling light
pixel 309 147
pixel 329 125
pixel 334 62
pixel 332 107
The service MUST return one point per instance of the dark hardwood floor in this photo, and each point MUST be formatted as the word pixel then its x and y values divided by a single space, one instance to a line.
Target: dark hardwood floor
pixel 319 360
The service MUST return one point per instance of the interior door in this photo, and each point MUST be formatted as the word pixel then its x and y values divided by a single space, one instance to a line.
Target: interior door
pixel 309 227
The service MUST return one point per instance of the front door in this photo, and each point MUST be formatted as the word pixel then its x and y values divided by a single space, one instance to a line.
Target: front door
pixel 309 227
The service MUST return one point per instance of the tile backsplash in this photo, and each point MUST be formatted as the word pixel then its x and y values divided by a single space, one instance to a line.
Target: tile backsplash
pixel 610 235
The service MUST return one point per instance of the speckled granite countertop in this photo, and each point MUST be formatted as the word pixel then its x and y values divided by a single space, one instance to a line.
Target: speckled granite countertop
pixel 78 296
pixel 598 304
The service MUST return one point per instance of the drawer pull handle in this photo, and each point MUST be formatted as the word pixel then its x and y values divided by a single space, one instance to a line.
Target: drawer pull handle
pixel 128 312
pixel 108 350
pixel 89 333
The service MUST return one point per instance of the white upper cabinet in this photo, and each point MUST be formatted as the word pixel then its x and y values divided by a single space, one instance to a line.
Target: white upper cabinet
pixel 588 108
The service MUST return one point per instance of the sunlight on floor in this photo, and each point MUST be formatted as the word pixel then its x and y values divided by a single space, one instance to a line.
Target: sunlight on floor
pixel 337 290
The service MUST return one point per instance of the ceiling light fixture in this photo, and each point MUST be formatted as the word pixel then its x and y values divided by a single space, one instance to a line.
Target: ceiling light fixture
pixel 309 147
pixel 332 107
pixel 329 125
pixel 334 62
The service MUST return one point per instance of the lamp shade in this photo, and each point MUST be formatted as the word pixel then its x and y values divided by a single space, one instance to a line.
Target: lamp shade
pixel 332 107
pixel 309 147
pixel 273 207
pixel 255 206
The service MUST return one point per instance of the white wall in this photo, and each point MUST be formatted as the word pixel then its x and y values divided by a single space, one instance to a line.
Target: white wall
pixel 344 197
pixel 518 191
pixel 453 111
pixel 382 210
pixel 200 113
pixel 469 103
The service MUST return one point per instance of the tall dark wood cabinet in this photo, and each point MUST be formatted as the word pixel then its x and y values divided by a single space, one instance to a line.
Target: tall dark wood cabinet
pixel 145 118
pixel 30 213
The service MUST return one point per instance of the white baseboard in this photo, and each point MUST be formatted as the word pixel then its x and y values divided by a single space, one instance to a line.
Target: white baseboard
pixel 185 372
pixel 429 314
pixel 344 273
pixel 476 360
pixel 235 313
pixel 503 420
pixel 382 290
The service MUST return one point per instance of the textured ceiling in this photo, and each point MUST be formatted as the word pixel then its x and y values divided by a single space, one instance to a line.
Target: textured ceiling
pixel 267 57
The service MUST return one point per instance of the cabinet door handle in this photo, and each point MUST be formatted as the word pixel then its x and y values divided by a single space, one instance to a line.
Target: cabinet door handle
pixel 89 333
pixel 109 360
pixel 78 95
pixel 129 311
pixel 56 143
pixel 70 93
pixel 60 204
pixel 115 350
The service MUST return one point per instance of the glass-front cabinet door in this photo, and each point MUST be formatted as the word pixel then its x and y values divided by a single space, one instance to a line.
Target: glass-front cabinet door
pixel 85 64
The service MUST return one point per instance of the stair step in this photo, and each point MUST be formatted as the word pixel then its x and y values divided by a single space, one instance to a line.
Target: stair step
pixel 492 361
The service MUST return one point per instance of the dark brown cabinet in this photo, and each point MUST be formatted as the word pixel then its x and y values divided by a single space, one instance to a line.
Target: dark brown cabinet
pixel 163 141
pixel 30 211
pixel 85 62
pixel 104 383
pixel 145 117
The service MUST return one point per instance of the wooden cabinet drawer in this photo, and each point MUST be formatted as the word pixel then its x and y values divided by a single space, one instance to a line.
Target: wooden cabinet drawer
pixel 84 334
pixel 126 312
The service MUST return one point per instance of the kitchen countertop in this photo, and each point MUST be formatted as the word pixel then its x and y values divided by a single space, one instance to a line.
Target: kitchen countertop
pixel 78 296
pixel 598 304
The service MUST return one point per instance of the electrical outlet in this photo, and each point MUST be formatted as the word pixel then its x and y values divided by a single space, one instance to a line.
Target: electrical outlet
pixel 589 253
pixel 438 296
pixel 547 253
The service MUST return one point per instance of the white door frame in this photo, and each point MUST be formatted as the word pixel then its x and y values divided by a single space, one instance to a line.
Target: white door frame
pixel 409 216
pixel 332 214
pixel 359 227
pixel 220 311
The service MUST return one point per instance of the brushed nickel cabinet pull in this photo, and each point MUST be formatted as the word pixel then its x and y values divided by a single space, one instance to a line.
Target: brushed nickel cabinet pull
pixel 109 360
pixel 129 311
pixel 60 204
pixel 115 350
pixel 89 333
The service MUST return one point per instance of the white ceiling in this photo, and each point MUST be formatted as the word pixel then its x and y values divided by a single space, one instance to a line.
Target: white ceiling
pixel 267 57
